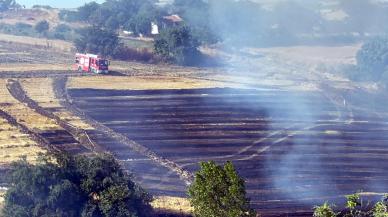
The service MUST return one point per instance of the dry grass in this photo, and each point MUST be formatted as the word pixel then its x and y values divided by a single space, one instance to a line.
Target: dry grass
pixel 41 91
pixel 15 144
pixel 175 205
pixel 141 82
pixel 22 113
pixel 2 194
pixel 25 15
pixel 26 67
pixel 56 44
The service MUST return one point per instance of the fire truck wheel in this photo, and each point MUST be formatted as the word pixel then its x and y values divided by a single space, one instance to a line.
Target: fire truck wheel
pixel 80 69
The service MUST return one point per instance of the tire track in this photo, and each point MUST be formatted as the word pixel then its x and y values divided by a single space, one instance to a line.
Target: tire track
pixel 17 91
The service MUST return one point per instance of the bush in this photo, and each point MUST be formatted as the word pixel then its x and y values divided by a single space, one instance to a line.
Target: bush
pixel 178 45
pixel 126 53
pixel 98 41
pixel 8 4
pixel 67 186
pixel 18 29
pixel 63 32
pixel 42 27
pixel 324 211
pixel 372 58
pixel 63 28
pixel 355 207
pixel 48 7
pixel 219 191
pixel 381 208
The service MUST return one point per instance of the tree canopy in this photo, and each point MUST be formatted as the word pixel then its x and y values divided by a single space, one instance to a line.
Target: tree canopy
pixel 8 4
pixel 42 26
pixel 67 186
pixel 97 40
pixel 219 191
pixel 133 15
pixel 177 45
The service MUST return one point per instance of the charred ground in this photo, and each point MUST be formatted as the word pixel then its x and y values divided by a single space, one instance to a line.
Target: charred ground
pixel 298 138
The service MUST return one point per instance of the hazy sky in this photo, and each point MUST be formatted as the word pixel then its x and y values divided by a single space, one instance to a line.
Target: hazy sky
pixel 56 3
pixel 77 3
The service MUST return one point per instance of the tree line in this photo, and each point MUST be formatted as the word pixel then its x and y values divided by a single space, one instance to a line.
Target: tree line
pixel 62 185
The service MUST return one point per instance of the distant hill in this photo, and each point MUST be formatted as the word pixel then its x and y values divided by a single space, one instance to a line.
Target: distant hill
pixel 33 16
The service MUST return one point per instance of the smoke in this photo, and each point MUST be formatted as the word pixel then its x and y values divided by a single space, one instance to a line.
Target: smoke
pixel 243 26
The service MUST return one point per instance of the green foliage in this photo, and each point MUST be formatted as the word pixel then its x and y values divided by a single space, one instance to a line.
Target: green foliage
pixel 324 210
pixel 85 12
pixel 74 186
pixel 42 27
pixel 372 58
pixel 219 191
pixel 47 7
pixel 98 41
pixel 63 32
pixel 197 15
pixel 133 15
pixel 18 29
pixel 381 208
pixel 354 208
pixel 62 28
pixel 8 4
pixel 177 45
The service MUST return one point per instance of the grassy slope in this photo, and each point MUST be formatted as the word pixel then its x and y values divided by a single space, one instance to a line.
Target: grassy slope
pixel 1 201
pixel 176 205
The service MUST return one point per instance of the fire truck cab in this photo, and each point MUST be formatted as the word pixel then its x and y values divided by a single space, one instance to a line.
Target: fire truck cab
pixel 91 63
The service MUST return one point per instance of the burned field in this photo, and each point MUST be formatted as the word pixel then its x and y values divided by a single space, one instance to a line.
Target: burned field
pixel 295 149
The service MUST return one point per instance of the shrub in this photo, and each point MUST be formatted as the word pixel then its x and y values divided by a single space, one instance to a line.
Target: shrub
pixel 381 208
pixel 18 29
pixel 48 7
pixel 219 191
pixel 42 27
pixel 354 208
pixel 126 53
pixel 178 45
pixel 63 32
pixel 62 28
pixel 67 186
pixel 324 211
pixel 8 4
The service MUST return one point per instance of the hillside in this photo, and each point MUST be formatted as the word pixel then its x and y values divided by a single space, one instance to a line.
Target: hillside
pixel 33 16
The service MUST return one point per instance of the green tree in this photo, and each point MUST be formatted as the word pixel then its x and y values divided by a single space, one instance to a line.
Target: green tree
pixel 97 40
pixel 67 186
pixel 42 27
pixel 177 45
pixel 324 211
pixel 8 4
pixel 219 191
pixel 85 11
pixel 381 208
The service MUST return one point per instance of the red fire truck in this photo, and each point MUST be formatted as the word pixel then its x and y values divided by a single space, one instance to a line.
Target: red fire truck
pixel 91 63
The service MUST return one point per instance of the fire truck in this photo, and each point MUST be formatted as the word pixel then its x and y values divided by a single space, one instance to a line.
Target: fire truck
pixel 91 63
